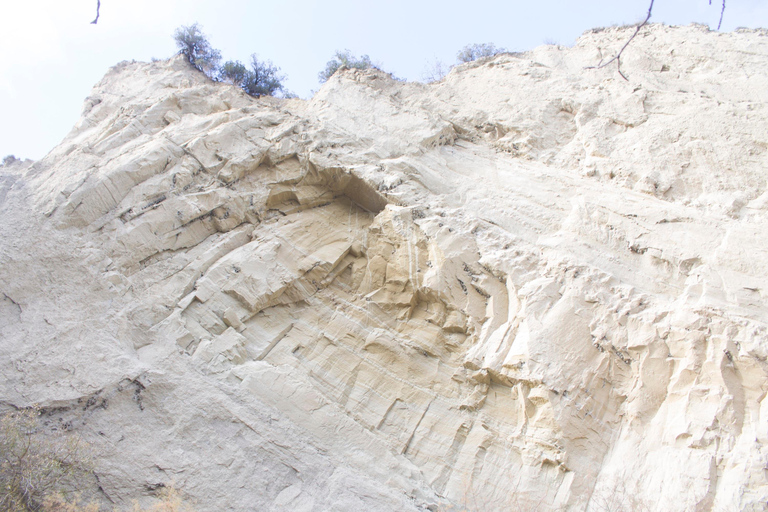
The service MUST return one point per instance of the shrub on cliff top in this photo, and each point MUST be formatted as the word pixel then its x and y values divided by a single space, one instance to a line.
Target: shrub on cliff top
pixel 193 44
pixel 344 59
pixel 477 51
pixel 233 72
pixel 263 79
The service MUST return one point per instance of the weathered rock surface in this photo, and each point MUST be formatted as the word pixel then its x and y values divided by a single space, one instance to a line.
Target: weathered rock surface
pixel 527 286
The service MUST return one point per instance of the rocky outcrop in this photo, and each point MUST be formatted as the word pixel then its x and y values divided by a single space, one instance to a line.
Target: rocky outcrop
pixel 530 285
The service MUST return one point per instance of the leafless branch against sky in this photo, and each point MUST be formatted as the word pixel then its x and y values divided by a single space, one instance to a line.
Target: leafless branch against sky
pixel 98 8
pixel 722 11
pixel 617 57
pixel 639 26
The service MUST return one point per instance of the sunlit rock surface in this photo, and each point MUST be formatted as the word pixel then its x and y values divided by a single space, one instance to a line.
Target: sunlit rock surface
pixel 530 286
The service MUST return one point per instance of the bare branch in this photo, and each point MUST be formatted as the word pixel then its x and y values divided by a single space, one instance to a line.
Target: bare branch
pixel 617 57
pixel 98 8
pixel 722 11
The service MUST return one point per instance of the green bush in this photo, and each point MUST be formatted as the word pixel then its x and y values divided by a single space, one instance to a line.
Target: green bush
pixel 343 59
pixel 233 72
pixel 193 44
pixel 263 79
pixel 477 51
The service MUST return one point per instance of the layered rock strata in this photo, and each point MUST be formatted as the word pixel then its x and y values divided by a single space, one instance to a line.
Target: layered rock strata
pixel 528 286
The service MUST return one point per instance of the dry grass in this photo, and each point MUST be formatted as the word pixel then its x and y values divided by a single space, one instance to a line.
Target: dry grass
pixel 35 465
pixel 50 471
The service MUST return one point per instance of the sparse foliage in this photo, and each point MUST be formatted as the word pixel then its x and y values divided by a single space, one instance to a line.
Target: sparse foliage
pixel 477 51
pixel 47 471
pixel 36 467
pixel 344 59
pixel 435 71
pixel 264 78
pixel 233 72
pixel 193 44
pixel 60 503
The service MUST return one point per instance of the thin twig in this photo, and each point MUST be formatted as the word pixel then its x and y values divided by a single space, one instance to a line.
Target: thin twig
pixel 722 11
pixel 98 8
pixel 617 57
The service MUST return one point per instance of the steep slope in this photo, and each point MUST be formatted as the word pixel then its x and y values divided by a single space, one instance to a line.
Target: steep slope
pixel 530 285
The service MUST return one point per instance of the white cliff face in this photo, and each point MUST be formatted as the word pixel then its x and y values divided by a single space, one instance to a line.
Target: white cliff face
pixel 528 286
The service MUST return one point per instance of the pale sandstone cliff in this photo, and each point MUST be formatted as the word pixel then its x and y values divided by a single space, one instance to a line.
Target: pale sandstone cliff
pixel 529 286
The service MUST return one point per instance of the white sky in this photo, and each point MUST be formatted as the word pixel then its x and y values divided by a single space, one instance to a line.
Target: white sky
pixel 52 55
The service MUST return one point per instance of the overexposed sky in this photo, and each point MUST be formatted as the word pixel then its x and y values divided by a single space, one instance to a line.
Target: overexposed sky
pixel 52 55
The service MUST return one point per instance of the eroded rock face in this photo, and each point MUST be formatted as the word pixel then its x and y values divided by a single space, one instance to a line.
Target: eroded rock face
pixel 528 286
